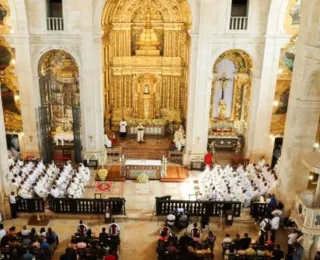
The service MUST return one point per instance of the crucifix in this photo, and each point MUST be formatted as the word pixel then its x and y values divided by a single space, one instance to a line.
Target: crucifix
pixel 224 81
pixel 222 107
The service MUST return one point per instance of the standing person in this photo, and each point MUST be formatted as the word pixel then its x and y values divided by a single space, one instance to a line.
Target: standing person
pixel 292 238
pixel 13 205
pixel 123 128
pixel 265 227
pixel 297 251
pixel 275 223
pixel 140 133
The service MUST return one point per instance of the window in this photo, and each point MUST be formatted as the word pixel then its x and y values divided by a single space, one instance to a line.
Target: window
pixel 54 8
pixel 54 15
pixel 239 15
pixel 239 8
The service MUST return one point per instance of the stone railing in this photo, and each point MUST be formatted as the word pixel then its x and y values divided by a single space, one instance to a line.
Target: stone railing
pixel 55 24
pixel 238 23
pixel 305 215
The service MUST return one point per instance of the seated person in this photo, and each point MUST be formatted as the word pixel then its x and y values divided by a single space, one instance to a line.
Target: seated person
pixel 166 230
pixel 171 219
pixel 163 236
pixel 250 251
pixel 81 244
pixel 51 237
pixel 183 221
pixel 171 248
pixel 103 236
pixel 237 242
pixel 82 228
pixel 210 240
pixel 27 255
pixel 25 231
pixel 114 229
pixel 195 233
pixel 184 242
pixel 226 240
pixel 245 241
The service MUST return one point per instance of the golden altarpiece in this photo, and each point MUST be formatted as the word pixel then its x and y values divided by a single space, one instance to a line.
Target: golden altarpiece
pixel 9 89
pixel 230 100
pixel 146 53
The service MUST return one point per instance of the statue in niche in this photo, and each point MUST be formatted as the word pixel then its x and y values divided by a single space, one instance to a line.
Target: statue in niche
pixel 179 138
pixel 283 104
pixel 222 108
pixel 146 89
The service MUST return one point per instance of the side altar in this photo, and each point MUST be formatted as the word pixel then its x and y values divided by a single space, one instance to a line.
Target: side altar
pixel 155 169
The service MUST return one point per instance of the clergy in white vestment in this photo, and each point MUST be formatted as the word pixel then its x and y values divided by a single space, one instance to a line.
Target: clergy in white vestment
pixel 107 142
pixel 55 192
pixel 140 133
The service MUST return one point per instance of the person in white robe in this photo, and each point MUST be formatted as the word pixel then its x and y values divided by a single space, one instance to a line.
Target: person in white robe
pixel 140 133
pixel 107 142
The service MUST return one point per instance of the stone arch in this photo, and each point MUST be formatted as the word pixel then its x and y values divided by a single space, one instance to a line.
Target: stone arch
pixel 234 103
pixel 59 87
pixel 122 11
pixel 240 58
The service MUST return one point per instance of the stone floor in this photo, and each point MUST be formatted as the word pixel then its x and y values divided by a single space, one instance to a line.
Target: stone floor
pixel 139 230
pixel 138 237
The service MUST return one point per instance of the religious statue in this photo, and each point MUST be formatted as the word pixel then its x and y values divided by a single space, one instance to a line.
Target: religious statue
pixel 179 138
pixel 222 109
pixel 140 133
pixel 146 89
pixel 107 142
pixel 238 148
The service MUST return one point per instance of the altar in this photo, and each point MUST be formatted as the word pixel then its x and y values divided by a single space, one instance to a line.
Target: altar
pixel 152 168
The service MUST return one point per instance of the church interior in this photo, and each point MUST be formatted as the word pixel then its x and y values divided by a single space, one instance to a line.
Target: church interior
pixel 160 129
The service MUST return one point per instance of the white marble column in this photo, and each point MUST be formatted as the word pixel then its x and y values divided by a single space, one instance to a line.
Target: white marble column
pixel 4 166
pixel 258 138
pixel 258 141
pixel 91 89
pixel 199 87
pixel 304 107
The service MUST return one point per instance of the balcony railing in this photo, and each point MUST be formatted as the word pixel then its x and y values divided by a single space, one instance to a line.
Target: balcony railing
pixel 55 24
pixel 238 23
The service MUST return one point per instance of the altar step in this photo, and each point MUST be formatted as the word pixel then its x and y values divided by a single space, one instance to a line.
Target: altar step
pixel 175 174
pixel 146 154
pixel 223 158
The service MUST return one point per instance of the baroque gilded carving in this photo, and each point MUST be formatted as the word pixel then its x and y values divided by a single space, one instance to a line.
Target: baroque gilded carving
pixel 59 87
pixel 9 88
pixel 146 39
pixel 236 124
pixel 5 15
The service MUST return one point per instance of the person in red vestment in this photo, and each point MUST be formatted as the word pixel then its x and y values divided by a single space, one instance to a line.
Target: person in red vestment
pixel 208 159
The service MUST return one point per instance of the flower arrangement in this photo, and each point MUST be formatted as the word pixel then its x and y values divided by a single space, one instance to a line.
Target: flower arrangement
pixel 102 174
pixel 142 178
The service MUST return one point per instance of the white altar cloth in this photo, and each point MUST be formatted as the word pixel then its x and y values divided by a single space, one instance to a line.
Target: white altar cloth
pixel 61 137
pixel 143 162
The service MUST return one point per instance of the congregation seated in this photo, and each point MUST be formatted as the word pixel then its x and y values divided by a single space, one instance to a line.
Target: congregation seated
pixel 189 246
pixel 85 245
pixel 26 244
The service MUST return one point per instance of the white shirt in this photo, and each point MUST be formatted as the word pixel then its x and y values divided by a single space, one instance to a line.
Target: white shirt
pixel 2 233
pixel 12 199
pixel 275 223
pixel 226 240
pixel 292 238
pixel 123 126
